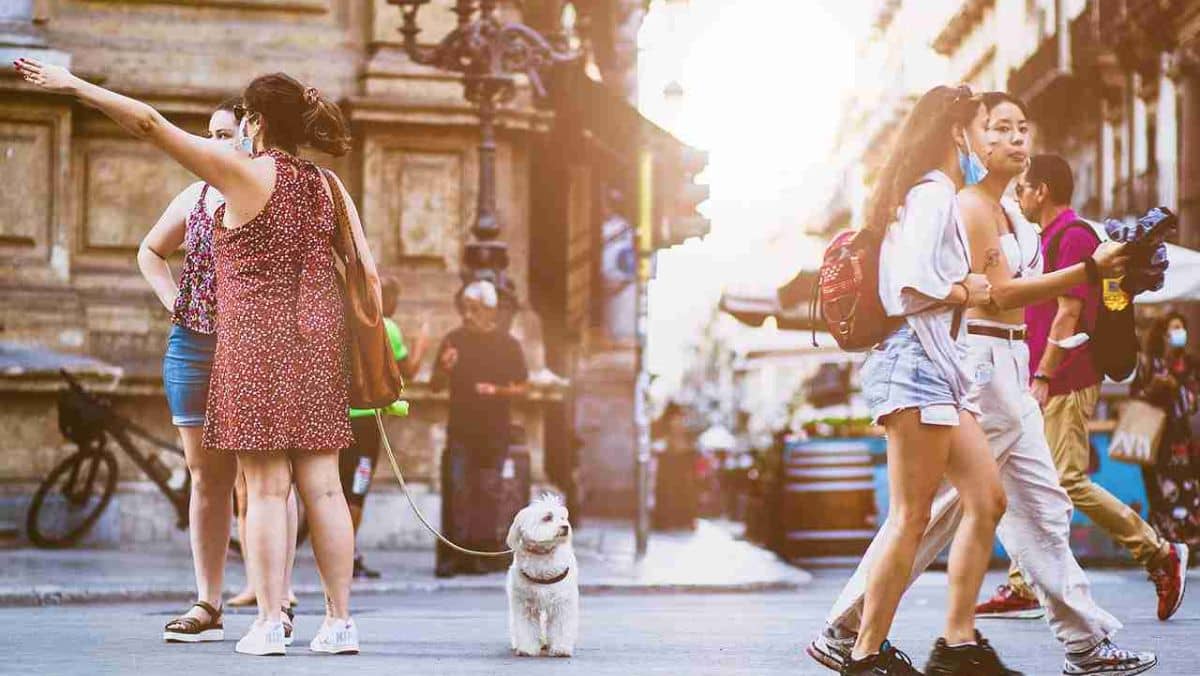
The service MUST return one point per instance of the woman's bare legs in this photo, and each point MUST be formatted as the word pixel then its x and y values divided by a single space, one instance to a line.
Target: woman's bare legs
pixel 268 482
pixel 331 533
pixel 209 512
pixel 973 471
pixel 246 596
pixel 917 457
pixel 293 525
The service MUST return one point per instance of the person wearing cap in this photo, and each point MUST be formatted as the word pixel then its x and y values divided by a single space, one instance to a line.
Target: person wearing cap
pixel 484 368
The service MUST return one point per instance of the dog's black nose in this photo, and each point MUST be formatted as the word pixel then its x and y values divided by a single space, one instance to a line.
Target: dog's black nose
pixel 564 530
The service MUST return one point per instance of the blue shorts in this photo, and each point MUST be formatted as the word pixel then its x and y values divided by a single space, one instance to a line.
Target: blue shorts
pixel 186 368
pixel 898 375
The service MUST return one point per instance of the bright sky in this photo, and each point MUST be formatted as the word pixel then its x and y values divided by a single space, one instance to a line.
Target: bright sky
pixel 763 84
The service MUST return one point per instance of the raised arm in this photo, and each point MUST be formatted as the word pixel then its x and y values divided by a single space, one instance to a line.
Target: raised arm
pixel 163 239
pixel 214 161
pixel 1010 292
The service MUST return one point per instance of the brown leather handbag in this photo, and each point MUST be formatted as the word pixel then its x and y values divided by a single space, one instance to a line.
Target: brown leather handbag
pixel 375 380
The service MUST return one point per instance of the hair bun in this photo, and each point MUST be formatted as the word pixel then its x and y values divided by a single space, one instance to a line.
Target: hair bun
pixel 311 95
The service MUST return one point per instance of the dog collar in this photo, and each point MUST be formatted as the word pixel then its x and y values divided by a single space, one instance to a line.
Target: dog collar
pixel 533 548
pixel 552 580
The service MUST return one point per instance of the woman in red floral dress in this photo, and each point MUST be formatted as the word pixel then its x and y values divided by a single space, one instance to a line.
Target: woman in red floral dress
pixel 278 391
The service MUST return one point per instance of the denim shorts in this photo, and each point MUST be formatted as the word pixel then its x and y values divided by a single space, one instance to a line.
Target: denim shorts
pixel 186 368
pixel 898 375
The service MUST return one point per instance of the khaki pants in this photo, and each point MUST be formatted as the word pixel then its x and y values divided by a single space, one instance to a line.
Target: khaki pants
pixel 1067 416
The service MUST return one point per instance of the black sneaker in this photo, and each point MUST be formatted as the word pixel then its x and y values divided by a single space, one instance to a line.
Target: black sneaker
pixel 976 659
pixel 361 571
pixel 889 662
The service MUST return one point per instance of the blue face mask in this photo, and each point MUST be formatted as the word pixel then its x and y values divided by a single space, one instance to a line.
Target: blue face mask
pixel 242 142
pixel 1177 337
pixel 973 169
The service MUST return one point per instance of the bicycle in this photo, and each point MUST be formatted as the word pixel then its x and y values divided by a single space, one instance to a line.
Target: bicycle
pixel 76 492
pixel 72 497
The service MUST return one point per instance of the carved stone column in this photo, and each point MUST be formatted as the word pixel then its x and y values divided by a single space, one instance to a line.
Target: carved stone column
pixel 1185 71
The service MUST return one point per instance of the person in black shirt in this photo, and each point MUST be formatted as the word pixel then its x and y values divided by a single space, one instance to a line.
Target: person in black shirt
pixel 485 369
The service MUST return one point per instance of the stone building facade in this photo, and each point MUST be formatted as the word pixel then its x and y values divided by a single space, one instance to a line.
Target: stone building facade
pixel 77 195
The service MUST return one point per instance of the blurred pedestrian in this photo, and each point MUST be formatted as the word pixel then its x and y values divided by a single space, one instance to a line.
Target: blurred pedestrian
pixel 485 369
pixel 916 383
pixel 358 463
pixel 1168 376
pixel 278 393
pixel 1066 380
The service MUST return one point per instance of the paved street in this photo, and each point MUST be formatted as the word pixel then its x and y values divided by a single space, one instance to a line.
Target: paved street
pixel 626 634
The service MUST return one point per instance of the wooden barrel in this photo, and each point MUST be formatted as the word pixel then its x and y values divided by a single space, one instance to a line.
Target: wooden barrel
pixel 827 502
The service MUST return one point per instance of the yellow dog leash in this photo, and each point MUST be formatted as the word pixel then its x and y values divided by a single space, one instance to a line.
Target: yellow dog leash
pixel 387 446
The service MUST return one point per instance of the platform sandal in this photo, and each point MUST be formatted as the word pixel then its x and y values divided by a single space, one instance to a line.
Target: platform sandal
pixel 187 629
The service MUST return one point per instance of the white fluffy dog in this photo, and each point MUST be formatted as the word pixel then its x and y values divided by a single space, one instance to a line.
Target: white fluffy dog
pixel 543 581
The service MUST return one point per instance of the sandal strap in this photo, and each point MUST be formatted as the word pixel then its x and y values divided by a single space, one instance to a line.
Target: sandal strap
pixel 214 613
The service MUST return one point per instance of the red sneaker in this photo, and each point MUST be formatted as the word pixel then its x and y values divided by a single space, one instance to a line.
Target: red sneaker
pixel 1170 580
pixel 1008 604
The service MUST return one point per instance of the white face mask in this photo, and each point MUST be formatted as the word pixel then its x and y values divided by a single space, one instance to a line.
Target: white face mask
pixel 1177 337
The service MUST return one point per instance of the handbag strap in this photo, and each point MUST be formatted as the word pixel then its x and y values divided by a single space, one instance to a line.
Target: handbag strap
pixel 343 242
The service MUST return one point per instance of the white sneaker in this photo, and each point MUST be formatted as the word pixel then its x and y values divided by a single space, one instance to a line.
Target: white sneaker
pixel 262 639
pixel 1108 660
pixel 336 637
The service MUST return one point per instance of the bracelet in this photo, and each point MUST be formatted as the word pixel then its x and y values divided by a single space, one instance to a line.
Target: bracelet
pixel 966 290
pixel 1093 270
pixel 1042 377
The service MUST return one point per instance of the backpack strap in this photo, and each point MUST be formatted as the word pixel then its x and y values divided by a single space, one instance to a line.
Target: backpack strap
pixel 1056 240
pixel 1054 243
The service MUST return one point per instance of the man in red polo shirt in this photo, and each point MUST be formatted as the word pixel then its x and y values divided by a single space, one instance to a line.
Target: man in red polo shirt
pixel 1066 382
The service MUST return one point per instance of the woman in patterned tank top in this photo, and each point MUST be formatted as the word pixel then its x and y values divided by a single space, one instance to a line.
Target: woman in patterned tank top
pixel 279 391
pixel 187 363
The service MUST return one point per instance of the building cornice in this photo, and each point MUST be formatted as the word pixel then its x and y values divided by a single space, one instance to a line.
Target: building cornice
pixel 960 25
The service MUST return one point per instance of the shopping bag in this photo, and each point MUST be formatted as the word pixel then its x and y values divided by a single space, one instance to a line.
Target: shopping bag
pixel 1138 433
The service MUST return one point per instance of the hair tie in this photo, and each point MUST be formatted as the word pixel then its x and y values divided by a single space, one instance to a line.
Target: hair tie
pixel 311 95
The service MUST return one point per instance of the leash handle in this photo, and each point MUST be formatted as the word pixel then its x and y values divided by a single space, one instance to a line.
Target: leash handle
pixel 387 446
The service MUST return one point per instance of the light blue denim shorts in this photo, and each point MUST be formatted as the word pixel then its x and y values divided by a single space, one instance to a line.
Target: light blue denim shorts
pixel 898 375
pixel 186 368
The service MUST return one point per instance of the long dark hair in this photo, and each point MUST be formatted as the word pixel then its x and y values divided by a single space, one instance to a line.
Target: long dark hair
pixel 925 138
pixel 1156 337
pixel 232 105
pixel 296 115
pixel 992 99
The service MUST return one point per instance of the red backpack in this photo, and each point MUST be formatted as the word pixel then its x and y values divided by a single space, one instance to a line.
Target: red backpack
pixel 847 292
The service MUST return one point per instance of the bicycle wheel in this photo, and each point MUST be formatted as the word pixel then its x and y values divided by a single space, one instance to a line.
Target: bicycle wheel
pixel 71 499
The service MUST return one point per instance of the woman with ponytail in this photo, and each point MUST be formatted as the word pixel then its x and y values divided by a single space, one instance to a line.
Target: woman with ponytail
pixel 916 385
pixel 278 393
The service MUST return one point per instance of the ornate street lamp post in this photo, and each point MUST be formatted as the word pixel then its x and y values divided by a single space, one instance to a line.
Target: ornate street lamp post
pixel 489 53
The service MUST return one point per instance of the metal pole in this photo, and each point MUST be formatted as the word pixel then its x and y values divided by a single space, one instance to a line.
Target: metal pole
pixel 641 393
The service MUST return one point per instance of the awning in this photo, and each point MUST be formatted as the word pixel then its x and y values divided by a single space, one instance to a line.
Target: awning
pixel 789 305
pixel 1182 281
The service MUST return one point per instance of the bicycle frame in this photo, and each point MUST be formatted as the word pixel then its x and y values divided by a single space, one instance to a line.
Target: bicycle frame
pixel 121 429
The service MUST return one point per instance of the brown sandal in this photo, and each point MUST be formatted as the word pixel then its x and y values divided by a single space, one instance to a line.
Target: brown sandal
pixel 188 629
pixel 289 625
